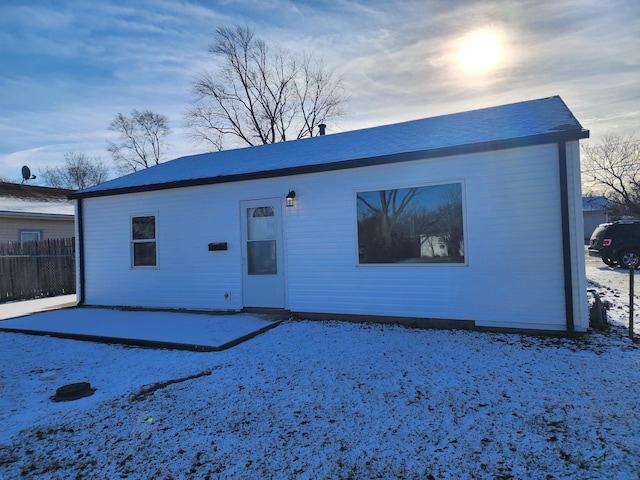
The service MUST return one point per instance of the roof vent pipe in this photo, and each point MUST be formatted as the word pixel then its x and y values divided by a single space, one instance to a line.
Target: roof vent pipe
pixel 322 128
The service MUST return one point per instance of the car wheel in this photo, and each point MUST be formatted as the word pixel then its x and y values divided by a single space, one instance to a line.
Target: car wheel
pixel 607 261
pixel 629 259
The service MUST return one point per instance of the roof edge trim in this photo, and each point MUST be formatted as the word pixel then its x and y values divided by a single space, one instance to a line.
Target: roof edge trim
pixel 45 216
pixel 547 138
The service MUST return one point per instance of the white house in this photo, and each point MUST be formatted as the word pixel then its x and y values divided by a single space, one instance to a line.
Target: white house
pixel 500 186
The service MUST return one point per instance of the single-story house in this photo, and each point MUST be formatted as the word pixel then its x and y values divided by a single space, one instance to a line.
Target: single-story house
pixel 29 212
pixel 596 211
pixel 332 226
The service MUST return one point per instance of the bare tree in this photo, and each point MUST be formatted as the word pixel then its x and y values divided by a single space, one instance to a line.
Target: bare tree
pixel 389 210
pixel 615 165
pixel 260 95
pixel 141 140
pixel 78 172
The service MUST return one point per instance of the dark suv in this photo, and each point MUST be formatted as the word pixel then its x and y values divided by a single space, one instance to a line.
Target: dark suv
pixel 617 243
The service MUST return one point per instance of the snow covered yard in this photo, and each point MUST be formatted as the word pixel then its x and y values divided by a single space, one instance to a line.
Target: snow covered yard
pixel 330 400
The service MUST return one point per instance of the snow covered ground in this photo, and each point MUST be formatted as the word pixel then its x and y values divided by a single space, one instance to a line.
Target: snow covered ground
pixel 18 309
pixel 331 400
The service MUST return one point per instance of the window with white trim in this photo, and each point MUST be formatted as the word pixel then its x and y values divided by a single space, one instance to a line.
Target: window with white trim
pixel 30 235
pixel 421 225
pixel 143 241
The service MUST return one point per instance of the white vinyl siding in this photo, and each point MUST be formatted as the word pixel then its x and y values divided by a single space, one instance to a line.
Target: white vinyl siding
pixel 576 226
pixel 190 276
pixel 512 276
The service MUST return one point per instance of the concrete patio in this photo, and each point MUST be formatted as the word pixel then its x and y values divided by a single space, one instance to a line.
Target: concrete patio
pixel 59 317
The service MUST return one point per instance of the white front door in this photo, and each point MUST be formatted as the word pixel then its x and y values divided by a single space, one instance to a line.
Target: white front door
pixel 262 258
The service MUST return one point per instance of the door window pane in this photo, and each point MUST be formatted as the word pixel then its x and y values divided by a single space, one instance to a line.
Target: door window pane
pixel 261 223
pixel 261 258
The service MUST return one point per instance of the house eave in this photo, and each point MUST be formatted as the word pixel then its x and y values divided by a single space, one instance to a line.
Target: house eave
pixel 547 138
pixel 38 216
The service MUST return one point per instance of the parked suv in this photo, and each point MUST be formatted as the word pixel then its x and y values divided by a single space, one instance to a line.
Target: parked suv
pixel 617 243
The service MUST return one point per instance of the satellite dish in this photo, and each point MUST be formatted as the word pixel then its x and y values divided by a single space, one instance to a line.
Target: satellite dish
pixel 26 174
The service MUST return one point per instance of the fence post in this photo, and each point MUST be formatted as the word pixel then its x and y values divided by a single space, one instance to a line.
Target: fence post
pixel 632 269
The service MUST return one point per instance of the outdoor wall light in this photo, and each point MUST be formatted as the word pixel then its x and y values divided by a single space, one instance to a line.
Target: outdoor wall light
pixel 290 196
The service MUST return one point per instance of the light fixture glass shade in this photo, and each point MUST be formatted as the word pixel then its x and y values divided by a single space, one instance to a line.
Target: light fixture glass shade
pixel 290 196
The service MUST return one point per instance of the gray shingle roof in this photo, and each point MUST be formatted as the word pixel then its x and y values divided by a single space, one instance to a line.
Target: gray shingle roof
pixel 539 121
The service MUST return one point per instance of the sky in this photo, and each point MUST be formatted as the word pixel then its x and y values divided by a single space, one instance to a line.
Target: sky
pixel 68 67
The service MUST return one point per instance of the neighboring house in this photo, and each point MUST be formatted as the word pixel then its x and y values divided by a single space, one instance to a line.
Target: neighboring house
pixel 432 246
pixel 331 226
pixel 596 211
pixel 30 212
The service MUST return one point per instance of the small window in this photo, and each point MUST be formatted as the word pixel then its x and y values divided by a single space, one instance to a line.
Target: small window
pixel 30 235
pixel 143 241
pixel 419 225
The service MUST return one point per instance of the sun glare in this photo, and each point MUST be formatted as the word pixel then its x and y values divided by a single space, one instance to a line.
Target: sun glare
pixel 480 51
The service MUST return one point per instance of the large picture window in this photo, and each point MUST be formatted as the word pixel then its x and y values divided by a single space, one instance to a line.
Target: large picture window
pixel 411 225
pixel 143 241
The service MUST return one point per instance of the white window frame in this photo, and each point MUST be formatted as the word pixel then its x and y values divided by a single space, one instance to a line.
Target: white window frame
pixel 29 231
pixel 144 240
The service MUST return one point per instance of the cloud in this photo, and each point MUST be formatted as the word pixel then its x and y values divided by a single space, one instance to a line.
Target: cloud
pixel 72 67
pixel 11 164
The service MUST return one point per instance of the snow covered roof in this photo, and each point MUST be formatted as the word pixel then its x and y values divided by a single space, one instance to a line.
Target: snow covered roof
pixel 29 200
pixel 546 120
pixel 595 204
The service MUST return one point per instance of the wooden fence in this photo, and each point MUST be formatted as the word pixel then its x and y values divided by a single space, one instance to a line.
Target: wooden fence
pixel 42 268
